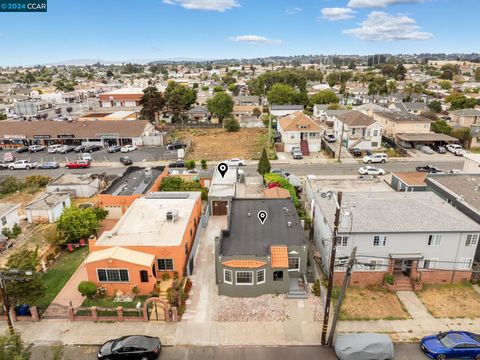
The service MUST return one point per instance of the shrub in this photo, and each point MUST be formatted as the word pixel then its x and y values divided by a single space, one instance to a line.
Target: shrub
pixel 165 276
pixel 7 232
pixel 37 181
pixel 175 275
pixel 389 279
pixel 190 164
pixel 316 288
pixel 9 185
pixel 188 285
pixel 203 163
pixel 87 288
pixel 16 230
pixel 231 125
pixel 101 291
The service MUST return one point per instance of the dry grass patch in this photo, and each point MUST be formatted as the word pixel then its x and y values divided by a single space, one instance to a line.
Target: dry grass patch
pixel 371 304
pixel 456 300
pixel 217 144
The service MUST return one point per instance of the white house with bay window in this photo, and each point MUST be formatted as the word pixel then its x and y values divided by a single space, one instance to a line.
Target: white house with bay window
pixel 415 236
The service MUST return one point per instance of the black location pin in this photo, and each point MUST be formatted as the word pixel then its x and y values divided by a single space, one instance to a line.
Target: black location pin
pixel 222 169
pixel 262 216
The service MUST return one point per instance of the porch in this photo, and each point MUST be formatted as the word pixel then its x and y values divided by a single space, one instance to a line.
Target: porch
pixel 297 288
pixel 403 269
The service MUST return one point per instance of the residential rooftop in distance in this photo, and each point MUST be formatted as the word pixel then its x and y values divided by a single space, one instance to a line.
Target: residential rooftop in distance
pixel 464 186
pixel 346 183
pixel 135 180
pixel 145 222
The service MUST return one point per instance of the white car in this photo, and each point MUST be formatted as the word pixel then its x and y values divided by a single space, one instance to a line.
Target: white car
pixel 128 148
pixel 456 149
pixel 371 170
pixel 236 162
pixel 22 164
pixel 375 158
pixel 86 157
pixel 52 149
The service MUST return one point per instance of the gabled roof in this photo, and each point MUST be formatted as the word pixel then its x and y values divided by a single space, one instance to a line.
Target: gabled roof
pixel 356 119
pixel 298 121
pixel 279 256
pixel 121 254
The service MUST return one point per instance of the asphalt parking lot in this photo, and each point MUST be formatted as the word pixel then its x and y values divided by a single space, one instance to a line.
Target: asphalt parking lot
pixel 146 153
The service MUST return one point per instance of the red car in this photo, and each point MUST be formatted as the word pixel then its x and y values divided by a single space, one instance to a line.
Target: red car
pixel 79 164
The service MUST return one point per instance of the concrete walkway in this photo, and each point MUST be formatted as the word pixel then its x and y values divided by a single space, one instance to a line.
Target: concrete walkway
pixel 413 305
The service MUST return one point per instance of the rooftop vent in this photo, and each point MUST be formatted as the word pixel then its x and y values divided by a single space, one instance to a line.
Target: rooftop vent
pixel 289 224
pixel 172 215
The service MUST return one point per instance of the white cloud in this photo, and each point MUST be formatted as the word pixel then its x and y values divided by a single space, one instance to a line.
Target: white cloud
pixel 294 10
pixel 255 39
pixel 379 3
pixel 381 26
pixel 337 13
pixel 213 5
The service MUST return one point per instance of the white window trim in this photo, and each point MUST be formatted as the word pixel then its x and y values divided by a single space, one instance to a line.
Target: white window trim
pixel 464 262
pixel 264 276
pixel 299 261
pixel 113 282
pixel 379 264
pixel 173 264
pixel 436 240
pixel 383 241
pixel 224 277
pixel 472 243
pixel 341 238
pixel 433 261
pixel 247 284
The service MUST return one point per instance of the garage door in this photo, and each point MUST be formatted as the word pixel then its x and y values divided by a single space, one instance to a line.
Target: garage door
pixel 219 208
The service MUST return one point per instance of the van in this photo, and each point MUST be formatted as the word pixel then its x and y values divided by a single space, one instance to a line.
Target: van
pixel 54 148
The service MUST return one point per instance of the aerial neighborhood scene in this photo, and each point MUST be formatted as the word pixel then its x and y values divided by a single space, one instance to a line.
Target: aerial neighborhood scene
pixel 239 179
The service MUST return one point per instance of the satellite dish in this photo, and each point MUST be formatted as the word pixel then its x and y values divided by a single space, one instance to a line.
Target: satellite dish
pixel 323 195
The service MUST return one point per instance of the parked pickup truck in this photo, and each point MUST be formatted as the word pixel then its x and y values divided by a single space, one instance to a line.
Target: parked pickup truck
pixel 22 164
pixel 79 164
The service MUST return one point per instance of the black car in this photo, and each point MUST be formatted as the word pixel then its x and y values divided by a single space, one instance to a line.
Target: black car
pixel 114 148
pixel 429 169
pixel 66 149
pixel 92 148
pixel 131 348
pixel 439 149
pixel 125 160
pixel 177 164
pixel 356 152
pixel 21 149
pixel 176 145
pixel 80 148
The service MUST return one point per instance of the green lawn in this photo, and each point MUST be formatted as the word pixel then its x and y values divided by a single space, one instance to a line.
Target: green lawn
pixel 57 276
pixel 110 303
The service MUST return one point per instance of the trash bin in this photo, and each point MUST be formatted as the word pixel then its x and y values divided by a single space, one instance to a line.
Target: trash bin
pixel 22 310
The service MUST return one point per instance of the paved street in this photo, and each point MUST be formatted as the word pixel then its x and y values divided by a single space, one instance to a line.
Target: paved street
pixel 403 352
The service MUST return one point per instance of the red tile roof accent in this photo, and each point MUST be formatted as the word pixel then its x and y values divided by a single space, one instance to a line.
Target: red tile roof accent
pixel 245 264
pixel 279 256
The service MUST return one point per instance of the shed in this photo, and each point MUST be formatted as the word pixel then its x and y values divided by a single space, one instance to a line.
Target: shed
pixel 48 208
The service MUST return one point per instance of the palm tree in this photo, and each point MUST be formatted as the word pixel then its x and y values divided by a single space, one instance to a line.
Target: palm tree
pixel 392 86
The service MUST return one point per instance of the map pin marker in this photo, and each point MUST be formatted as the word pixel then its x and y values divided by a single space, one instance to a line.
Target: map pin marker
pixel 262 216
pixel 222 169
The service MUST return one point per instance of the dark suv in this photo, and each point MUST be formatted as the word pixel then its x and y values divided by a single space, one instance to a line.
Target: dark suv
pixel 176 145
pixel 92 148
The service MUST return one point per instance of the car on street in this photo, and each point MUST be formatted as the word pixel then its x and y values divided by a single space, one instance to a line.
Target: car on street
pixel 368 346
pixel 456 149
pixel 176 145
pixel 125 160
pixel 439 149
pixel 80 148
pixel 236 162
pixel 78 164
pixel 429 169
pixel 114 148
pixel 375 158
pixel 128 148
pixel 92 148
pixel 22 165
pixel 66 149
pixel 297 153
pixel 36 148
pixel 86 156
pixel 371 170
pixel 177 164
pixel 49 165
pixel 280 172
pixel 134 347
pixel 452 345
pixel 330 138
pixel 4 164
pixel 52 149
pixel 21 149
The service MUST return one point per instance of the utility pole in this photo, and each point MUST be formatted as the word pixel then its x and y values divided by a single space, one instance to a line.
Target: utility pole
pixel 341 141
pixel 346 280
pixel 331 268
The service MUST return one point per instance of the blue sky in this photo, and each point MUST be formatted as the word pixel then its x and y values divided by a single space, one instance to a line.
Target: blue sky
pixel 209 29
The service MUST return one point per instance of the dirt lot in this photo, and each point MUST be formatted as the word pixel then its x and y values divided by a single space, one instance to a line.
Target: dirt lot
pixel 23 197
pixel 217 144
pixel 451 300
pixel 371 304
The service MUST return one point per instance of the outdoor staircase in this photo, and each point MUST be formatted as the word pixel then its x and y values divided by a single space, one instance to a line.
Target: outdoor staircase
pixel 294 290
pixel 304 147
pixel 402 283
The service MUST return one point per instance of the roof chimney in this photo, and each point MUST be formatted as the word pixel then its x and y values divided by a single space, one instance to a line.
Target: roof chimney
pixel 289 224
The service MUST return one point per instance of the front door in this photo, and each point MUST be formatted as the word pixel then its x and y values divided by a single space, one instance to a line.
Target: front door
pixel 406 267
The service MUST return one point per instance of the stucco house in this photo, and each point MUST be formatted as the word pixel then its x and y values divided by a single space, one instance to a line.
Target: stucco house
pixel 465 117
pixel 415 236
pixel 298 130
pixel 395 123
pixel 255 258
pixel 48 208
pixel 357 130
pixel 161 227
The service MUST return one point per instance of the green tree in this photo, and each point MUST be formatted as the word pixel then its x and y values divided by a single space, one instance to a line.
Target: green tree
pixel 332 79
pixel 323 97
pixel 152 103
pixel 462 133
pixel 76 223
pixel 217 89
pixel 441 126
pixel 12 347
pixel 178 99
pixel 445 84
pixel 435 106
pixel 392 86
pixel 220 105
pixel 190 164
pixel 477 74
pixel 203 164
pixel 87 288
pixel 231 125
pixel 400 72
pixel 30 287
pixel 282 94
pixel 264 163
pixel 462 102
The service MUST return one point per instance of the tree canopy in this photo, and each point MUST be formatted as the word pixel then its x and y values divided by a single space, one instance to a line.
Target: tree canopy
pixel 435 106
pixel 178 99
pixel 323 97
pixel 152 103
pixel 295 78
pixel 282 94
pixel 12 347
pixel 441 126
pixel 76 223
pixel 220 105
